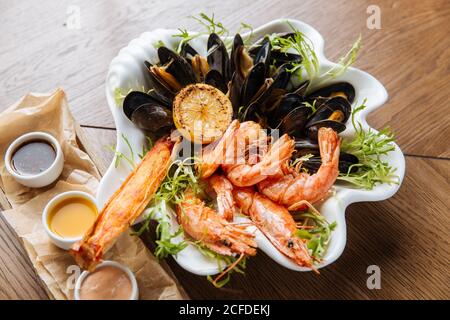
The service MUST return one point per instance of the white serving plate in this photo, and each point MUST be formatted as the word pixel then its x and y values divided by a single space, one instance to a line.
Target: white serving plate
pixel 127 70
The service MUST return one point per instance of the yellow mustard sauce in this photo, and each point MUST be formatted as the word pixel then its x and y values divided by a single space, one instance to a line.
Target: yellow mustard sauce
pixel 106 283
pixel 72 217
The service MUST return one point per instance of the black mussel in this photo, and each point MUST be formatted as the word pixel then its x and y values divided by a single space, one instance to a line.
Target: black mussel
pixel 304 146
pixel 187 51
pixel 251 113
pixel 346 160
pixel 313 130
pixel 234 93
pixel 294 122
pixel 263 55
pixel 135 99
pixel 279 58
pixel 177 66
pixel 336 109
pixel 162 82
pixel 146 112
pixel 301 89
pixel 152 117
pixel 158 97
pixel 218 56
pixel 288 103
pixel 252 84
pixel 256 102
pixel 274 94
pixel 341 89
pixel 215 79
pixel 237 43
pixel 241 62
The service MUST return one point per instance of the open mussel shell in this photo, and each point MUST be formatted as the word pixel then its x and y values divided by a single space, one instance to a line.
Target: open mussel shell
pixel 313 130
pixel 305 147
pixel 215 79
pixel 252 84
pixel 336 109
pixel 159 84
pixel 294 122
pixel 274 94
pixel 177 66
pixel 187 51
pixel 288 103
pixel 263 55
pixel 241 63
pixel 152 117
pixel 341 89
pixel 346 160
pixel 218 58
pixel 301 89
pixel 313 164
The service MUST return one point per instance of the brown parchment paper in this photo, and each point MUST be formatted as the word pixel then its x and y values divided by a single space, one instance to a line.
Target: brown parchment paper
pixel 56 268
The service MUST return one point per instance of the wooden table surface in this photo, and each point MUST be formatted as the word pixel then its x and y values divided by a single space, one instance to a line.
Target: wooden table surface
pixel 407 236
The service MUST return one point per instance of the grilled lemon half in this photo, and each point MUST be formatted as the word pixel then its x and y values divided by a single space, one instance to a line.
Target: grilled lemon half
pixel 202 113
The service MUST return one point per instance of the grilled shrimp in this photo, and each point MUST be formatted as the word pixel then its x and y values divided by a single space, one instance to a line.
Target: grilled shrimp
pixel 124 206
pixel 275 222
pixel 204 224
pixel 270 164
pixel 294 189
pixel 224 192
pixel 215 153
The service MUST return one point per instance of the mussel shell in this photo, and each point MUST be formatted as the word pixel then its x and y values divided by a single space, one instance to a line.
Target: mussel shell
pixel 343 89
pixel 302 144
pixel 327 107
pixel 346 160
pixel 158 84
pixel 288 103
pixel 218 58
pixel 234 94
pixel 313 130
pixel 301 89
pixel 215 79
pixel 135 99
pixel 273 96
pixel 237 43
pixel 279 58
pixel 294 122
pixel 152 117
pixel 251 113
pixel 252 84
pixel 187 51
pixel 177 66
pixel 263 55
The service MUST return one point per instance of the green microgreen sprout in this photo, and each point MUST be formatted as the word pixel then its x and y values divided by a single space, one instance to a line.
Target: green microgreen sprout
pixel 369 147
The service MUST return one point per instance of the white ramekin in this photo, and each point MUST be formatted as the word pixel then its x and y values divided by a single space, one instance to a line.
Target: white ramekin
pixel 134 286
pixel 45 177
pixel 63 243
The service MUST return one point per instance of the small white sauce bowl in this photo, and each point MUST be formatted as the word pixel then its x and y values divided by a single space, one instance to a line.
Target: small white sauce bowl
pixel 134 287
pixel 63 243
pixel 45 177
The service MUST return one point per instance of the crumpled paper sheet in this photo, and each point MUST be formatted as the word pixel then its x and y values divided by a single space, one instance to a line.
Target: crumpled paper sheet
pixel 57 269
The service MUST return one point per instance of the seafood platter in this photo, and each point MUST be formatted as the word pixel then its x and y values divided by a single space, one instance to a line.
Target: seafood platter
pixel 235 144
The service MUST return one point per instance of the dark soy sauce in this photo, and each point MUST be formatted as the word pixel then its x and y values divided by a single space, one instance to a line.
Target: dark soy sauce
pixel 33 157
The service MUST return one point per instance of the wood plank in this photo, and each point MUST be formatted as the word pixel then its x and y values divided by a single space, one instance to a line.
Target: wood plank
pixel 409 54
pixel 18 280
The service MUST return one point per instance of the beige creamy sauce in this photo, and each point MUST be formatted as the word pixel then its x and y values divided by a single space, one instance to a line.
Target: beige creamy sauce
pixel 106 283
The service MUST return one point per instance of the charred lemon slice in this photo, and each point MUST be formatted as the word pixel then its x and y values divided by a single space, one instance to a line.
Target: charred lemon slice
pixel 202 113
